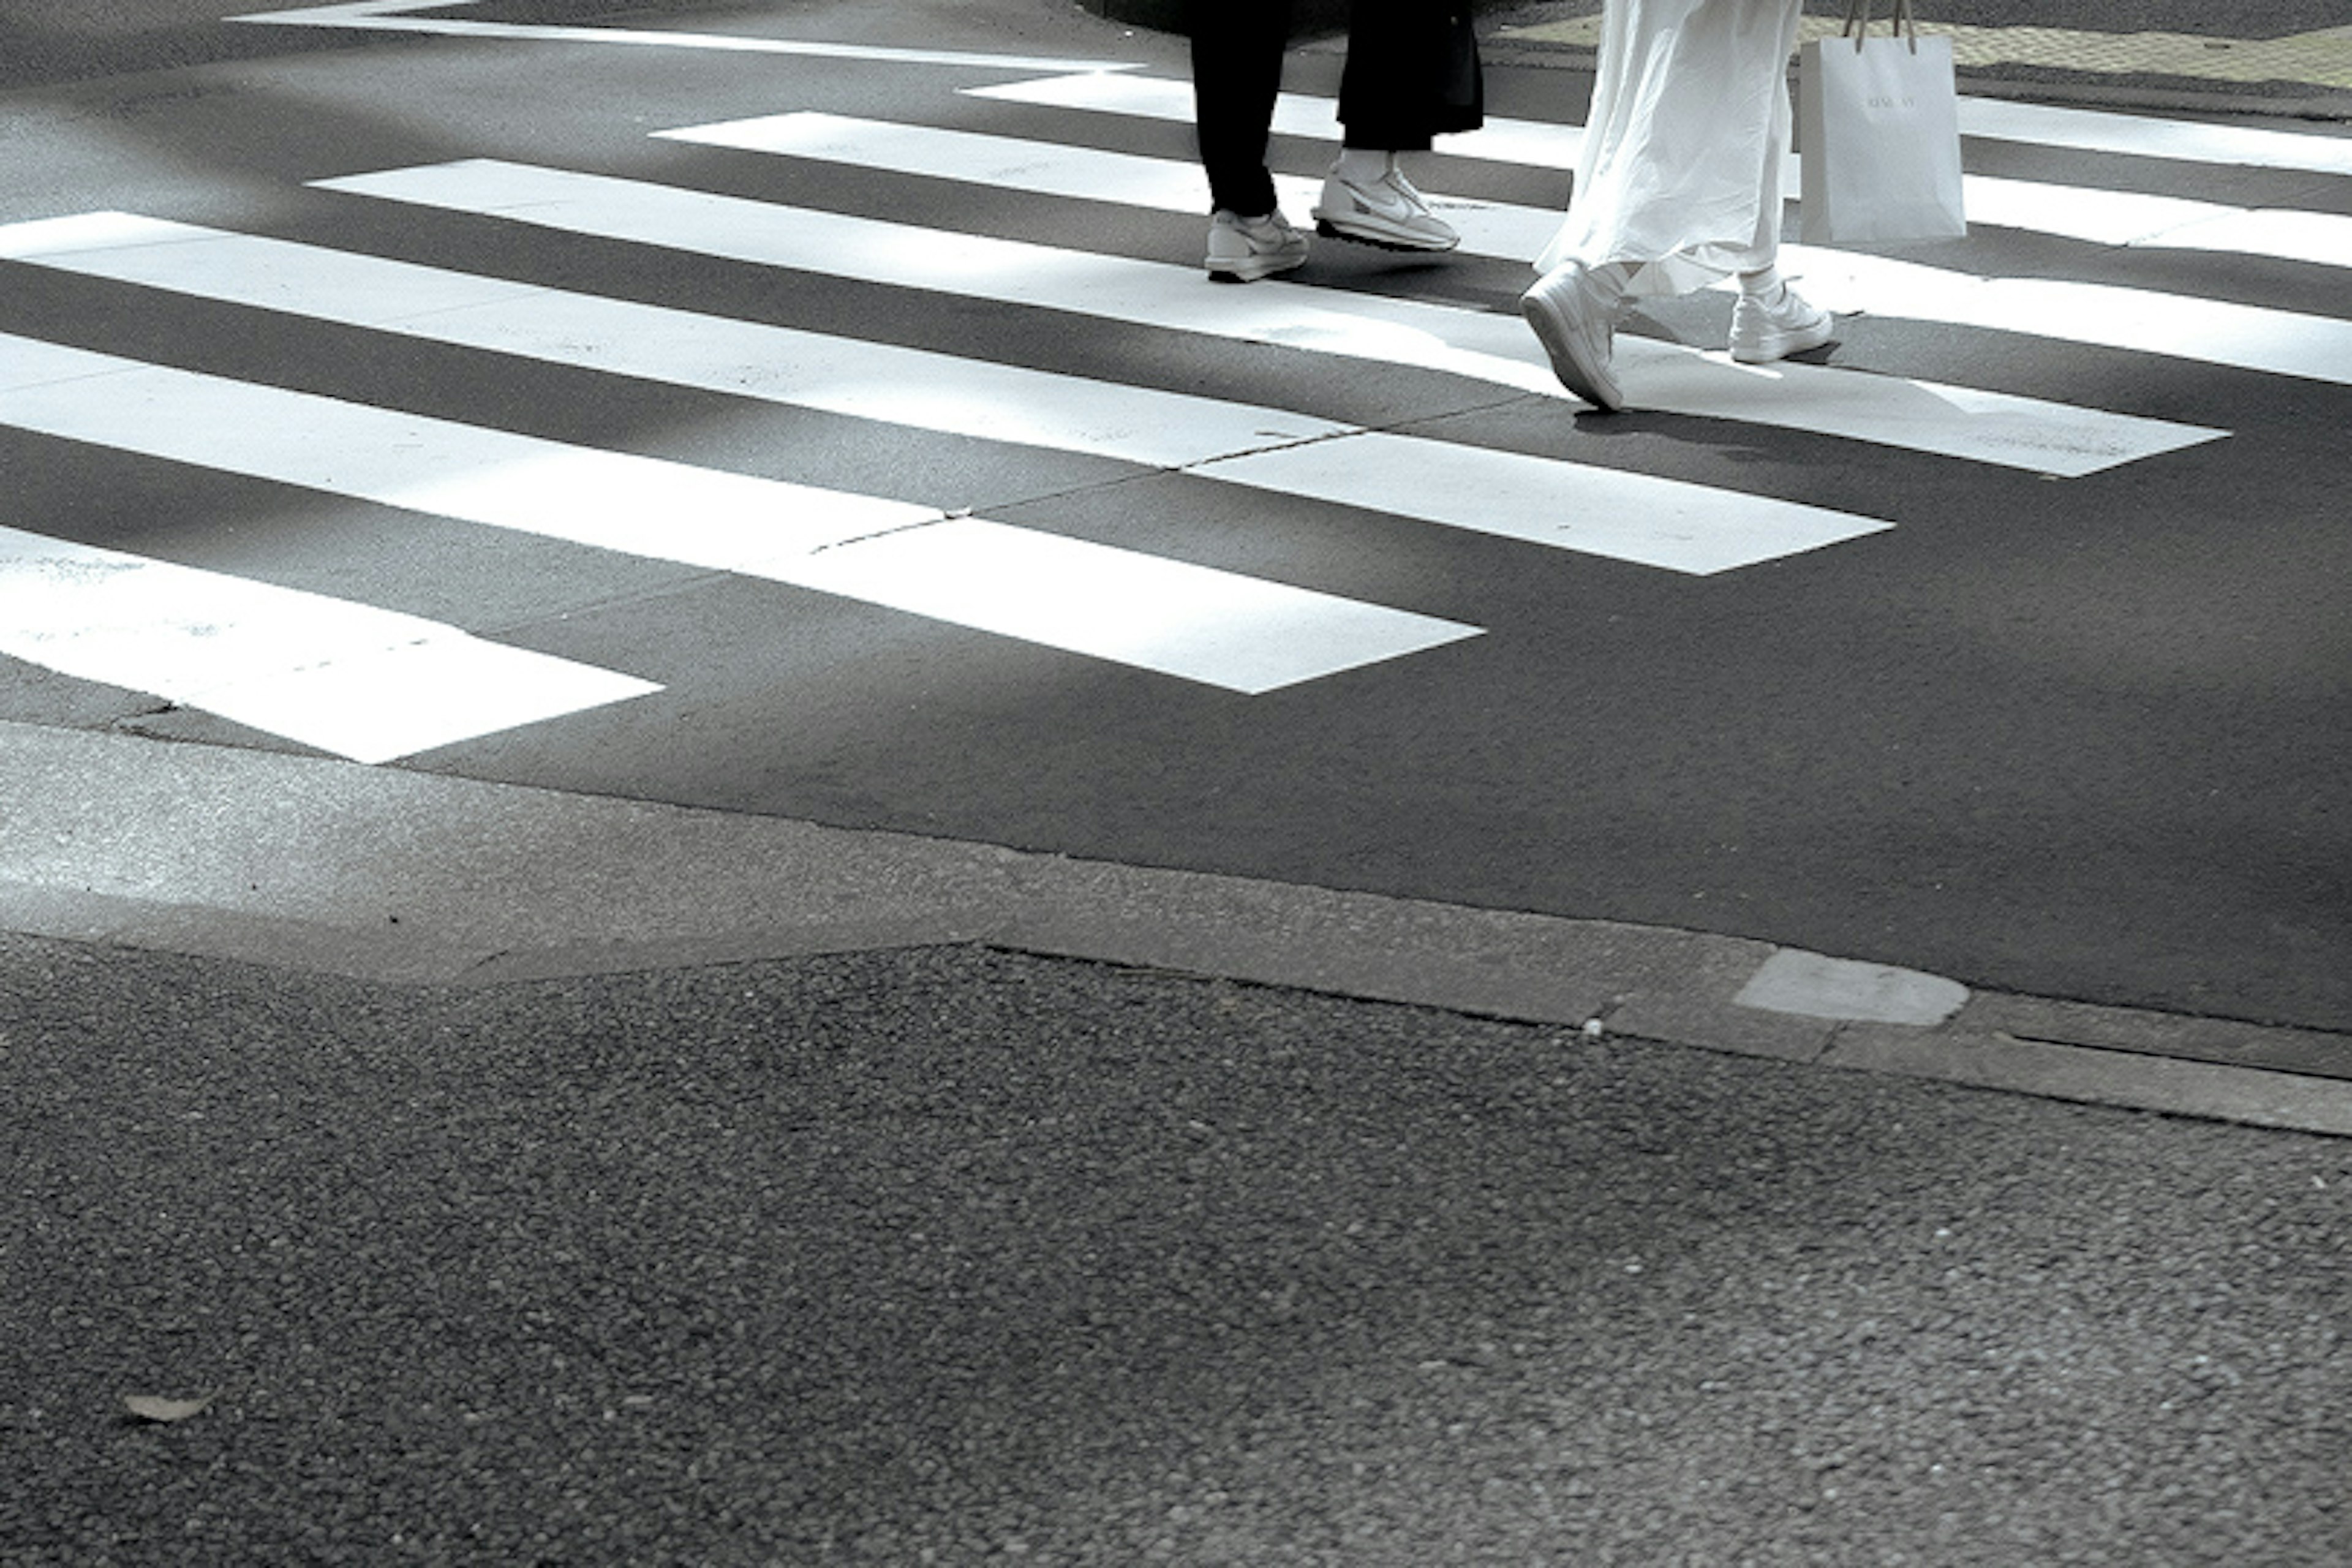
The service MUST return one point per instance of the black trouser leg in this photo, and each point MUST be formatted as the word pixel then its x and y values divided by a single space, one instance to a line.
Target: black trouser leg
pixel 1384 90
pixel 1236 72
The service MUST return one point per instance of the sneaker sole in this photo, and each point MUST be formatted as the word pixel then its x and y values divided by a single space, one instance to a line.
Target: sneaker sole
pixel 1384 238
pixel 1250 271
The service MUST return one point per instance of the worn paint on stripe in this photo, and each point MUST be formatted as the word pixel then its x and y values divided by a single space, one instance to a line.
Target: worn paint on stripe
pixel 364 683
pixel 1193 622
pixel 393 17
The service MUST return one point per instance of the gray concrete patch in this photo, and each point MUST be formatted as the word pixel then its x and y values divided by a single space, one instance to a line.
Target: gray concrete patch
pixel 1813 986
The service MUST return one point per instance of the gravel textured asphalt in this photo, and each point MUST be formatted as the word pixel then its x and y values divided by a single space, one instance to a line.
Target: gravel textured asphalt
pixel 955 1255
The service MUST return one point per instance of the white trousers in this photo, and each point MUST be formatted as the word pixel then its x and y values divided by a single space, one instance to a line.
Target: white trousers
pixel 1679 177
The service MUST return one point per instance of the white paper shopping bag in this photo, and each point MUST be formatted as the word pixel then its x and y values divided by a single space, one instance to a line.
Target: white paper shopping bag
pixel 1878 139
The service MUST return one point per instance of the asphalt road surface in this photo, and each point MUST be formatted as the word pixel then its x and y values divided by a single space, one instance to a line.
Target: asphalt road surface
pixel 847 437
pixel 2004 643
pixel 971 1258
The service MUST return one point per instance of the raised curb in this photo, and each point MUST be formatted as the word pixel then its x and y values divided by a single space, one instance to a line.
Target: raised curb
pixel 411 879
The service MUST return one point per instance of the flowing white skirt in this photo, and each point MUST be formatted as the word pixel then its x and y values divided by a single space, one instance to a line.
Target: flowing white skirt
pixel 1680 173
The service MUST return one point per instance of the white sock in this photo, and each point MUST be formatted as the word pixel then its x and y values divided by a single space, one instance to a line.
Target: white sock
pixel 1763 285
pixel 1363 166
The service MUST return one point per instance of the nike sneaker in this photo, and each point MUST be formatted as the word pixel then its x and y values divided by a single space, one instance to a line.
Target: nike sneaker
pixel 1764 330
pixel 1388 213
pixel 1574 316
pixel 1244 249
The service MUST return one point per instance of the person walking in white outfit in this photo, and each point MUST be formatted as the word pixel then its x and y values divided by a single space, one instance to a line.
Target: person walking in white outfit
pixel 1678 185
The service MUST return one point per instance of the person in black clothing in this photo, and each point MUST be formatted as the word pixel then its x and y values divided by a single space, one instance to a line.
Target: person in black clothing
pixel 1412 74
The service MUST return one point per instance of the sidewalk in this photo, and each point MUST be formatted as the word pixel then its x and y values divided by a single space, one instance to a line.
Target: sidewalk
pixel 407 877
pixel 2090 54
pixel 2095 60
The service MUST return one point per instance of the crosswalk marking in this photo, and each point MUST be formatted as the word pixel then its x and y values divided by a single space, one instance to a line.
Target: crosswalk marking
pixel 375 684
pixel 1696 529
pixel 364 683
pixel 1519 234
pixel 1537 144
pixel 1955 422
pixel 1544 144
pixel 2141 221
pixel 1147 292
pixel 2149 136
pixel 1538 500
pixel 1657 522
pixel 2097 315
pixel 1515 233
pixel 1215 627
pixel 1483 345
pixel 393 17
pixel 885 381
pixel 2282 342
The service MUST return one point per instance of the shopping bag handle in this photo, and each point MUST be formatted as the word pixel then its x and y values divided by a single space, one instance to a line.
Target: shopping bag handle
pixel 1901 24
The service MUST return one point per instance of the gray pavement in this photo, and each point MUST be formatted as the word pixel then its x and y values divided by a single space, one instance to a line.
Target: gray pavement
pixel 510 1176
pixel 959 1256
pixel 2289 60
pixel 516 1176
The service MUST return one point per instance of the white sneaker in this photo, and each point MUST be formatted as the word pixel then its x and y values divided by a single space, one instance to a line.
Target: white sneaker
pixel 1388 213
pixel 1244 249
pixel 1575 319
pixel 1763 331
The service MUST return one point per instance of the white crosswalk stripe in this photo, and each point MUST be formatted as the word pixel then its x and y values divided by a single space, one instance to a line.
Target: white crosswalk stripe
pixel 1189 621
pixel 2280 342
pixel 843 375
pixel 2095 315
pixel 2153 136
pixel 377 685
pixel 1959 422
pixel 2099 216
pixel 1547 144
pixel 1481 345
pixel 362 682
pixel 1517 231
pixel 1631 517
pixel 395 16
